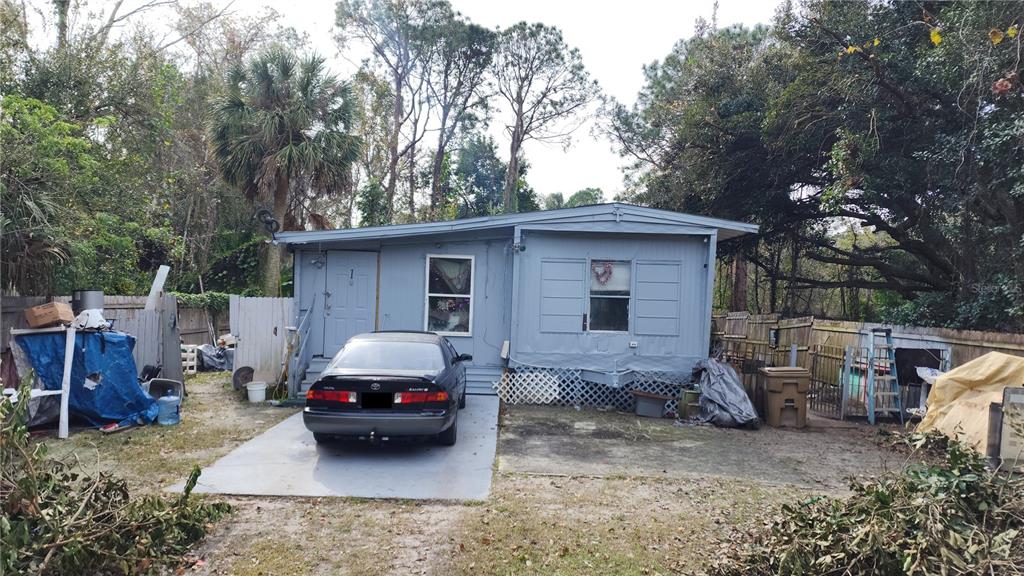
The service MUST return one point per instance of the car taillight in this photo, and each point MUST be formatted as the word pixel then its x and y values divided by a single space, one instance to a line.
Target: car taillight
pixel 418 397
pixel 345 397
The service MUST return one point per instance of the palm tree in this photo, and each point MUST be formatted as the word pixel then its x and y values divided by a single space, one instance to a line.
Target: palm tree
pixel 283 123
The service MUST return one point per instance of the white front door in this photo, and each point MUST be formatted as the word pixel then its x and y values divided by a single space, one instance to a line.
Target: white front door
pixel 350 297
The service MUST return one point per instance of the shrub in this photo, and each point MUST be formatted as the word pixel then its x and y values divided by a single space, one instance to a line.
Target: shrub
pixel 58 521
pixel 953 517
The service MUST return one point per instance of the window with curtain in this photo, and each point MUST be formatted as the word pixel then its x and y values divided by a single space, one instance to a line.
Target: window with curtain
pixel 449 295
pixel 609 295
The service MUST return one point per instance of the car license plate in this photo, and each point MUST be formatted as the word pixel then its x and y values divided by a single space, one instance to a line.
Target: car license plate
pixel 377 400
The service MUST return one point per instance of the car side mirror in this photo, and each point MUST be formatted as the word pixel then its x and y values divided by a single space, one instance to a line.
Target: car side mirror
pixel 464 358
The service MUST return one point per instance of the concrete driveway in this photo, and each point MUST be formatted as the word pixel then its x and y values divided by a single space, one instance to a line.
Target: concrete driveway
pixel 286 461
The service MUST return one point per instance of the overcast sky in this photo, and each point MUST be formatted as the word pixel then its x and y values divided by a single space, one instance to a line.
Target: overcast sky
pixel 616 38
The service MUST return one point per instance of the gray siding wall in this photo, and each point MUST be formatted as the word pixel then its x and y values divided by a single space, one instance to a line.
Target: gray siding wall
pixel 668 303
pixel 669 307
pixel 403 291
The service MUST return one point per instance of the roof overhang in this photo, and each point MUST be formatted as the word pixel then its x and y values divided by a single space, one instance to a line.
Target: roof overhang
pixel 598 218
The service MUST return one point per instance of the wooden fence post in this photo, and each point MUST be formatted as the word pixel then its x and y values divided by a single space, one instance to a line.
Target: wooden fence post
pixel 170 338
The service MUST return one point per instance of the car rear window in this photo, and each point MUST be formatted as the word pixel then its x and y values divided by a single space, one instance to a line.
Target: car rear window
pixel 389 355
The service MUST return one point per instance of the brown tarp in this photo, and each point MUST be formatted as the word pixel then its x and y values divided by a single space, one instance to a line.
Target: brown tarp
pixel 958 402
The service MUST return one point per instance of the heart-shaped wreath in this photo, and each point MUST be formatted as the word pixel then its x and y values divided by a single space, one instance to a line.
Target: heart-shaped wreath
pixel 602 271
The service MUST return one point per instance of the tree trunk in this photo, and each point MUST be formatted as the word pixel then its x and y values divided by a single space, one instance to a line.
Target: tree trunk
pixel 350 197
pixel 436 192
pixel 773 283
pixel 794 265
pixel 739 283
pixel 412 183
pixel 510 198
pixel 272 264
pixel 757 281
pixel 396 120
pixel 62 7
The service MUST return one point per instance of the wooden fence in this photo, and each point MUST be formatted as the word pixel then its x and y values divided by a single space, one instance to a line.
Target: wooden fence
pixel 200 326
pixel 157 341
pixel 958 346
pixel 822 346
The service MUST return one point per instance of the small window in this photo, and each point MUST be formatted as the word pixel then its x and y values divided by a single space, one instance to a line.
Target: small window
pixel 609 295
pixel 449 305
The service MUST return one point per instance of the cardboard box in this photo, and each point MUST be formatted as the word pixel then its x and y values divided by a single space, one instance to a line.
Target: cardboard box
pixel 50 314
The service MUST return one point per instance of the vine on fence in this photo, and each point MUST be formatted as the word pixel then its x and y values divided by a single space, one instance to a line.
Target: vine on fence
pixel 211 301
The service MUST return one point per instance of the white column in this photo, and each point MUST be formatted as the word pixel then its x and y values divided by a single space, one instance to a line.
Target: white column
pixel 65 384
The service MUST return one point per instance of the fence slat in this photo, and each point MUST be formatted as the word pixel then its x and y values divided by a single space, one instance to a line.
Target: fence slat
pixel 259 324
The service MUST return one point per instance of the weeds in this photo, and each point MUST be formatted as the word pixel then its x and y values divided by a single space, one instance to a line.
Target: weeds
pixel 58 521
pixel 953 517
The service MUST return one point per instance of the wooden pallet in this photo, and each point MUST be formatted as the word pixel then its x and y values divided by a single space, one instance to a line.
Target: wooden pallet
pixel 189 359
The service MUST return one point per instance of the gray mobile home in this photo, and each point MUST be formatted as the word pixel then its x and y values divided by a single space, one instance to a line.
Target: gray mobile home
pixel 603 291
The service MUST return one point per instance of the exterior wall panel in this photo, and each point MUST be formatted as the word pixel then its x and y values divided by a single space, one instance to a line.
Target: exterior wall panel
pixel 667 303
pixel 562 295
pixel 403 292
pixel 658 295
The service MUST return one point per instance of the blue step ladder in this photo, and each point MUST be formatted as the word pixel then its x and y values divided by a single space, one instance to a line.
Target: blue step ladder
pixel 884 394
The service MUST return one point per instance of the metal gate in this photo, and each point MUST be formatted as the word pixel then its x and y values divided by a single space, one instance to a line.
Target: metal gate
pixel 840 381
pixel 827 367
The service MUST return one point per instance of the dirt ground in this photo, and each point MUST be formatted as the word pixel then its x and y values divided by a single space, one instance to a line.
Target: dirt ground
pixel 574 492
pixel 549 440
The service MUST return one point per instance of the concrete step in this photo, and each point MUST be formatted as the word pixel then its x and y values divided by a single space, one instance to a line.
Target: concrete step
pixel 317 365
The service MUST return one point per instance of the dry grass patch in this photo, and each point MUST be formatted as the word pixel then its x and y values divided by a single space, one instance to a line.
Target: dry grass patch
pixel 621 526
pixel 327 536
pixel 215 419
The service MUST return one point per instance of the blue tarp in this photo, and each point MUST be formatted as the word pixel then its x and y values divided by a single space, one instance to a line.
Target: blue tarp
pixel 104 382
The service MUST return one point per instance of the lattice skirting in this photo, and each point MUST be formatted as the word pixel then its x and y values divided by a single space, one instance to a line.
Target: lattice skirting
pixel 565 387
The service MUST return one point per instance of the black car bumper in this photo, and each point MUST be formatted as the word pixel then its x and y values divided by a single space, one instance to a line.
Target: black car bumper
pixel 391 424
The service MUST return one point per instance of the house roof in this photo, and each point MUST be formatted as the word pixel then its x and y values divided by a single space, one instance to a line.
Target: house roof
pixel 613 212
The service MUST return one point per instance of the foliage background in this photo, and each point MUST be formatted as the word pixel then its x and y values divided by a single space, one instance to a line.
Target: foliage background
pixel 879 146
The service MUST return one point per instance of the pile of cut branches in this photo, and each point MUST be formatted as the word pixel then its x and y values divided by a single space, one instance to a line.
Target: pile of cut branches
pixel 58 521
pixel 952 517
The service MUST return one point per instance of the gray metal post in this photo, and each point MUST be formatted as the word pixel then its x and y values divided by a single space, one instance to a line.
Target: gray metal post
pixel 792 355
pixel 844 379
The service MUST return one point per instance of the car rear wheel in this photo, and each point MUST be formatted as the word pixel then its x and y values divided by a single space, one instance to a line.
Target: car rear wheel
pixel 462 401
pixel 448 437
pixel 322 438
